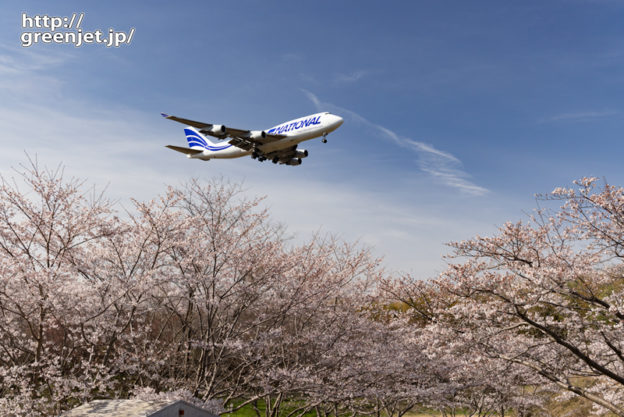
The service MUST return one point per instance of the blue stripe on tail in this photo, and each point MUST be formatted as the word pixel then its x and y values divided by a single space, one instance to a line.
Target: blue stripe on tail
pixel 195 140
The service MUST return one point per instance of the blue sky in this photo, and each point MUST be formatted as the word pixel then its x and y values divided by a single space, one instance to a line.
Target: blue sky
pixel 456 113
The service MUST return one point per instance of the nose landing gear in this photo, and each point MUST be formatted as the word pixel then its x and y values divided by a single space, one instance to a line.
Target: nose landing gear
pixel 324 140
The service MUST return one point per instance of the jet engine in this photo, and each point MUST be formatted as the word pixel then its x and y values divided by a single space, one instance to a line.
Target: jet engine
pixel 257 134
pixel 301 153
pixel 217 130
pixel 294 161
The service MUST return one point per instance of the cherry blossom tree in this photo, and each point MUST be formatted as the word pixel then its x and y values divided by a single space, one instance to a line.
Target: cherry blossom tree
pixel 547 294
pixel 196 291
pixel 468 381
pixel 48 303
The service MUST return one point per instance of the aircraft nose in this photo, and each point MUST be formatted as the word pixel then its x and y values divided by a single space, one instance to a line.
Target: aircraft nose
pixel 339 121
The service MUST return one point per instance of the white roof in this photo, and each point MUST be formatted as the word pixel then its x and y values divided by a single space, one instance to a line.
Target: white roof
pixel 131 408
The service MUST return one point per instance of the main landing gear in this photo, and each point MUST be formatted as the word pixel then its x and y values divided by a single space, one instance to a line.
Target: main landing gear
pixel 256 155
pixel 260 158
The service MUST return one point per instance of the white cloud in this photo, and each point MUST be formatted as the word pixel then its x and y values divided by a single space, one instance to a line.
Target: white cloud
pixel 24 73
pixel 409 238
pixel 351 77
pixel 441 165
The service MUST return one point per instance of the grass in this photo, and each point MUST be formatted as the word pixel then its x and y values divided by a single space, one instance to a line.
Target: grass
pixel 248 411
pixel 574 407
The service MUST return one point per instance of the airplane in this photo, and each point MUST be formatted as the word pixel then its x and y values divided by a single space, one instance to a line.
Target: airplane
pixel 278 144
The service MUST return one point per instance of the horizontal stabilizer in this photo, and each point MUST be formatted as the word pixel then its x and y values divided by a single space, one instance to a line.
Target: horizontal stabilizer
pixel 187 151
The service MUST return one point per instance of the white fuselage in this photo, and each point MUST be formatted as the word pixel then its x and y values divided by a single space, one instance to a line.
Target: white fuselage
pixel 296 131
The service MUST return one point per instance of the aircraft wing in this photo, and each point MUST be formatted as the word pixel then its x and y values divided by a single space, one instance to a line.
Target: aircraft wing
pixel 187 151
pixel 188 122
pixel 248 143
pixel 244 139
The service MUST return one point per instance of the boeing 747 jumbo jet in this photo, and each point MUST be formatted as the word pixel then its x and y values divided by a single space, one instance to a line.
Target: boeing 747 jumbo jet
pixel 279 143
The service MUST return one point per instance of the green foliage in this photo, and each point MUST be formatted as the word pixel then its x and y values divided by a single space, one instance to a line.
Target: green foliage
pixel 249 410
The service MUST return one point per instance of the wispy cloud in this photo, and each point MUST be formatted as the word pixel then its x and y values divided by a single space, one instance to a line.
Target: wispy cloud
pixel 351 77
pixel 409 237
pixel 441 165
pixel 24 72
pixel 585 116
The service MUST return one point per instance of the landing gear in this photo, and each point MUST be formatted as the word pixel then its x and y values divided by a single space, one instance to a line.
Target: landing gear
pixel 255 154
pixel 275 160
pixel 324 140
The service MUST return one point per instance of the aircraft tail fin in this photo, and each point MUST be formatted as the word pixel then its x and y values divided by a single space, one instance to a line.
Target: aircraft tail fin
pixel 196 140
